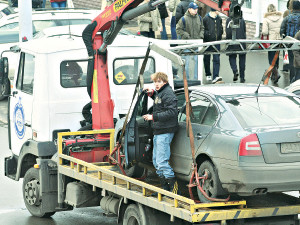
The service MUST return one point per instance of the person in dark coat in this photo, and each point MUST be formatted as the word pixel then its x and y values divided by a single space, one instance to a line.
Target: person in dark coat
pixel 297 59
pixel 240 34
pixel 181 9
pixel 192 28
pixel 213 31
pixel 163 15
pixel 290 21
pixel 165 124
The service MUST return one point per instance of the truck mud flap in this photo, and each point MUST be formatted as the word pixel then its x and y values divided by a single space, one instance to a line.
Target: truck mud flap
pixel 10 166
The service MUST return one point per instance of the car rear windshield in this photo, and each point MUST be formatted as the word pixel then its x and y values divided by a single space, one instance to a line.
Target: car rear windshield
pixel 266 111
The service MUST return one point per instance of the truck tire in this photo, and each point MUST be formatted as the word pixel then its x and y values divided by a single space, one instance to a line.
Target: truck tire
pixel 133 216
pixel 31 194
pixel 212 186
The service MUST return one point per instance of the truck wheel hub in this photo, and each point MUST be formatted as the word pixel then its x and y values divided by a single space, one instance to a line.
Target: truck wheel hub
pixel 32 189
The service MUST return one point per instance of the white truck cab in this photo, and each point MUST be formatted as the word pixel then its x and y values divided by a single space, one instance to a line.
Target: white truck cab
pixel 49 89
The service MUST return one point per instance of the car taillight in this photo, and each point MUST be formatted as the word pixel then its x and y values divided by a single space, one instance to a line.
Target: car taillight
pixel 249 146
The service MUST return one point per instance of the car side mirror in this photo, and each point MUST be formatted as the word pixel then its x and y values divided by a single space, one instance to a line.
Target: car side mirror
pixel 3 70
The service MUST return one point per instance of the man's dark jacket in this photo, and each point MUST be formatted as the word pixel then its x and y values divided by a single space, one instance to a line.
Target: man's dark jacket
pixel 240 34
pixel 165 115
pixel 284 24
pixel 213 28
pixel 181 9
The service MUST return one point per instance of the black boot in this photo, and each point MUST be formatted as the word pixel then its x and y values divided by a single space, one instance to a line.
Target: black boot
pixel 173 184
pixel 235 76
pixel 276 75
pixel 164 185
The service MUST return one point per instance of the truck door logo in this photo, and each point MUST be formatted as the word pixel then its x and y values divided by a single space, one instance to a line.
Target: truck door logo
pixel 19 120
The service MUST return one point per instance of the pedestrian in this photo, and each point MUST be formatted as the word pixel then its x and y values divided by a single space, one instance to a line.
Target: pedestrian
pixel 172 7
pixel 240 34
pixel 289 6
pixel 203 9
pixel 165 124
pixel 190 26
pixel 163 15
pixel 149 23
pixel 58 4
pixel 213 31
pixel 297 59
pixel 289 27
pixel 271 28
pixel 181 9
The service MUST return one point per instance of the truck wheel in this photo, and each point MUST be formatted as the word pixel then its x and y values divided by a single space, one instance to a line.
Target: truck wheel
pixel 4 90
pixel 31 194
pixel 212 185
pixel 133 216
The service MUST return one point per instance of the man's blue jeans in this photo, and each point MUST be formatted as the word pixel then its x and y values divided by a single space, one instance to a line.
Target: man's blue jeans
pixel 161 155
pixel 188 59
pixel 163 34
pixel 58 4
pixel 173 28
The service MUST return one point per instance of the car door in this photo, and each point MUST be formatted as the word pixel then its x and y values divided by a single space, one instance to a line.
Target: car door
pixel 21 103
pixel 203 116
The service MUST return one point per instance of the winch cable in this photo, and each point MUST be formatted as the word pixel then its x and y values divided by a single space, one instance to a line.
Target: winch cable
pixel 190 134
pixel 138 86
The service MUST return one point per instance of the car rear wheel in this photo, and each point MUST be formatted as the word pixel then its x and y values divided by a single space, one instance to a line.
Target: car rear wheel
pixel 212 185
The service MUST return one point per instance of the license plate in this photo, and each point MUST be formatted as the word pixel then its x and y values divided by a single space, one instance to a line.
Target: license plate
pixel 290 147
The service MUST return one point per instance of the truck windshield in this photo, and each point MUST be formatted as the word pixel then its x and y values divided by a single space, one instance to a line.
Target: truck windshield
pixel 126 70
pixel 266 111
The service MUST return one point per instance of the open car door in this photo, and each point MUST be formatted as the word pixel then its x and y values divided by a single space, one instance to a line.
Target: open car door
pixel 138 133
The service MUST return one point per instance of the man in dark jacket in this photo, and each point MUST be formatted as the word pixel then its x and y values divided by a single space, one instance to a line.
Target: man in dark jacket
pixel 181 9
pixel 190 26
pixel 213 31
pixel 297 59
pixel 289 27
pixel 165 124
pixel 240 34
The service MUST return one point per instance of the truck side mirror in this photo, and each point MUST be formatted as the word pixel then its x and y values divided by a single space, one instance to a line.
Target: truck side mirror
pixel 3 70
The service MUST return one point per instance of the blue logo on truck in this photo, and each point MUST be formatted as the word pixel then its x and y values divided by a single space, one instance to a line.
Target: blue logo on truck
pixel 19 120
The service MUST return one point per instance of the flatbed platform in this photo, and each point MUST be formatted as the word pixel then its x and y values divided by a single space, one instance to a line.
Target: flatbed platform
pixel 107 178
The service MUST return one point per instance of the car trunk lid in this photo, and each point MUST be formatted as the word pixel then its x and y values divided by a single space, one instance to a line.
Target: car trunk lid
pixel 280 145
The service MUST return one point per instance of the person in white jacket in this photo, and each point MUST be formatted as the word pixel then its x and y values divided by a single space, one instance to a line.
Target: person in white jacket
pixel 271 27
pixel 172 7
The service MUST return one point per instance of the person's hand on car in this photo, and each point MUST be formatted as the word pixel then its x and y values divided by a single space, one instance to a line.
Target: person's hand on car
pixel 148 117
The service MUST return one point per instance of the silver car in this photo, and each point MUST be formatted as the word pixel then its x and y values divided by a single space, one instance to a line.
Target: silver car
pixel 247 139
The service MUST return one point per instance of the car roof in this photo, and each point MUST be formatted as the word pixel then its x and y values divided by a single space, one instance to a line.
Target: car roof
pixel 236 90
pixel 54 14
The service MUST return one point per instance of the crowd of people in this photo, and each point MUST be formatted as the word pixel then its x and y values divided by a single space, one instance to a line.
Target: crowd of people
pixel 194 20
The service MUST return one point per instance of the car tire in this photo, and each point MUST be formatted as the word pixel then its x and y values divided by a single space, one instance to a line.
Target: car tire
pixel 31 194
pixel 4 90
pixel 212 185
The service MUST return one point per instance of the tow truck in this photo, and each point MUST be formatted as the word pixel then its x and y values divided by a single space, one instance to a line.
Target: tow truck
pixel 63 169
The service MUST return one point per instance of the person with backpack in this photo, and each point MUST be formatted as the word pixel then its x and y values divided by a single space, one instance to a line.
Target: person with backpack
pixel 240 34
pixel 213 31
pixel 271 29
pixel 289 27
pixel 190 26
pixel 181 9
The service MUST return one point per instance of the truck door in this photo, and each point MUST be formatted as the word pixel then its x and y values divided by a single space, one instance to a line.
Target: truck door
pixel 21 103
pixel 203 117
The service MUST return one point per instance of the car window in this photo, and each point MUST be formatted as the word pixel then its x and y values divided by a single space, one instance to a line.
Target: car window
pixel 203 111
pixel 266 111
pixel 10 26
pixel 26 73
pixel 126 70
pixel 73 73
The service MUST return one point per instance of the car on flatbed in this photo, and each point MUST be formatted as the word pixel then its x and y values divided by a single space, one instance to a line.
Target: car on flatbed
pixel 248 142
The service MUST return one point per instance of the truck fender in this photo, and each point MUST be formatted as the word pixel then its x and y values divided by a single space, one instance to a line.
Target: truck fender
pixel 29 152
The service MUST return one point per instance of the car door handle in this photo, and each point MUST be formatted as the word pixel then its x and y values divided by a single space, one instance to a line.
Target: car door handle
pixel 198 136
pixel 14 93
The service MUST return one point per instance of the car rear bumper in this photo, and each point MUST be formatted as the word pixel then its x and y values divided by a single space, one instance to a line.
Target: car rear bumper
pixel 251 178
